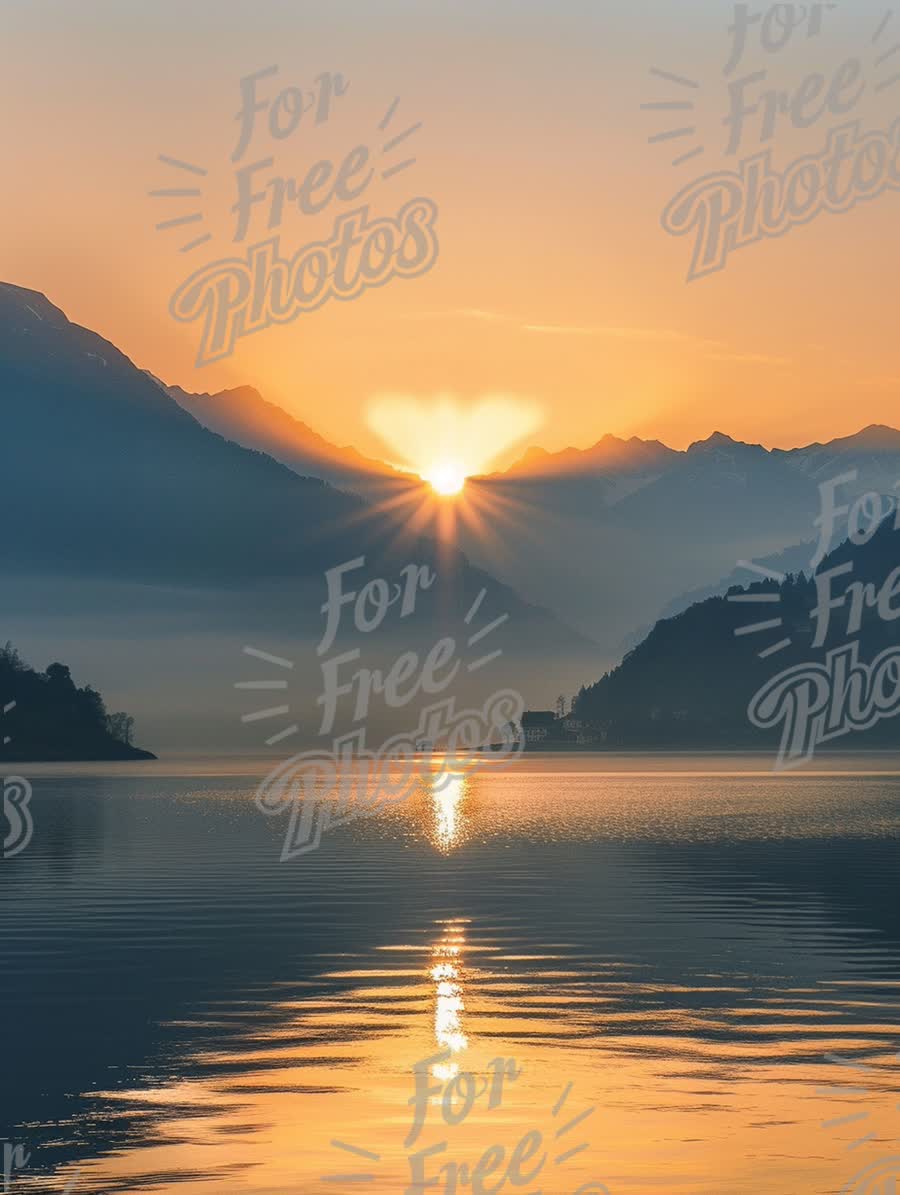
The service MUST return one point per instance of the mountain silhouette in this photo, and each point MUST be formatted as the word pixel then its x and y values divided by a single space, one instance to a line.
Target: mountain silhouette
pixel 610 535
pixel 244 416
pixel 129 525
pixel 610 456
pixel 105 473
pixel 691 681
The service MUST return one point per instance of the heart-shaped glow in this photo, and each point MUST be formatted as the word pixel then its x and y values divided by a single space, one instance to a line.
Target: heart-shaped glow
pixel 445 440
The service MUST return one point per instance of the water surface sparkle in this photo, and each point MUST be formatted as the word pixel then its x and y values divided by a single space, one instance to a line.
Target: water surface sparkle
pixel 703 949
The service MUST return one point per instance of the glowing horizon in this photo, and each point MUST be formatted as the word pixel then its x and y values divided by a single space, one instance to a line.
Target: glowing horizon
pixel 557 283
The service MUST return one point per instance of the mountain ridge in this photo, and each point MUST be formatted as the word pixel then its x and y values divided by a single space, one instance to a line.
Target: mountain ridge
pixel 690 682
pixel 242 414
pixel 192 546
pixel 877 435
pixel 236 406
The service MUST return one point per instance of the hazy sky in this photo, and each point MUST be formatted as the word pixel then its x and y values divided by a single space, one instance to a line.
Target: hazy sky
pixel 555 281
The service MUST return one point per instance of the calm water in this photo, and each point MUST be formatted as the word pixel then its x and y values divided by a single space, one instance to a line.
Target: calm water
pixel 706 954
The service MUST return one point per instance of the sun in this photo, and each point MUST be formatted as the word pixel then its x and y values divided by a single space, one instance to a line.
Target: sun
pixel 446 441
pixel 446 479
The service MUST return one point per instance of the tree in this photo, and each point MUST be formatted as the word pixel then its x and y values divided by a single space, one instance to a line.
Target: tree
pixel 11 658
pixel 55 719
pixel 121 727
pixel 59 676
pixel 92 703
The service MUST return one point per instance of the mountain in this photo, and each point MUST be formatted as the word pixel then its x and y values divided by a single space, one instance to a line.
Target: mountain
pixel 244 416
pixel 143 546
pixel 796 559
pixel 106 473
pixel 610 535
pixel 610 457
pixel 723 490
pixel 613 536
pixel 691 682
pixel 872 453
pixel 608 551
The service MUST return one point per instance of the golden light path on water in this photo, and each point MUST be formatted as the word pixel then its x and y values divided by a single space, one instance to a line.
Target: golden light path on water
pixel 449 1004
pixel 447 791
pixel 699 1025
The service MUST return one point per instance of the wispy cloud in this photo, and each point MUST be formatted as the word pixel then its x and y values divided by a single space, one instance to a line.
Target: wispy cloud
pixel 749 358
pixel 616 332
pixel 559 329
pixel 720 350
pixel 473 313
pixel 880 383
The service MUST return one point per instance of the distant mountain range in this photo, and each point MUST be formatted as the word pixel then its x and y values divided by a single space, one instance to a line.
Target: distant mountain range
pixel 244 416
pixel 143 546
pixel 612 468
pixel 157 512
pixel 611 537
pixel 870 449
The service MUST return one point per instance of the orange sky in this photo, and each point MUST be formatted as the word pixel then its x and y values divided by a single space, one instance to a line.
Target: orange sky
pixel 555 281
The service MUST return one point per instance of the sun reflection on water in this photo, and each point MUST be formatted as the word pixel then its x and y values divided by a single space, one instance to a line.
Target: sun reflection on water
pixel 448 793
pixel 447 975
pixel 589 935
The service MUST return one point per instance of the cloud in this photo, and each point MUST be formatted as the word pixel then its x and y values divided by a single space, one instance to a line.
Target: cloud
pixel 610 331
pixel 474 313
pixel 619 333
pixel 749 358
pixel 518 324
pixel 880 383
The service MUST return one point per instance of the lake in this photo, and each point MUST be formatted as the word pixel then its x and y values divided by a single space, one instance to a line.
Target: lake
pixel 665 974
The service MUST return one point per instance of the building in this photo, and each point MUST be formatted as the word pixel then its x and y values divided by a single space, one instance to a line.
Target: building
pixel 544 727
pixel 539 725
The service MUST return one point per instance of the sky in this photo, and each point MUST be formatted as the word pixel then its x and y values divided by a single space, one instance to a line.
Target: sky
pixel 554 286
